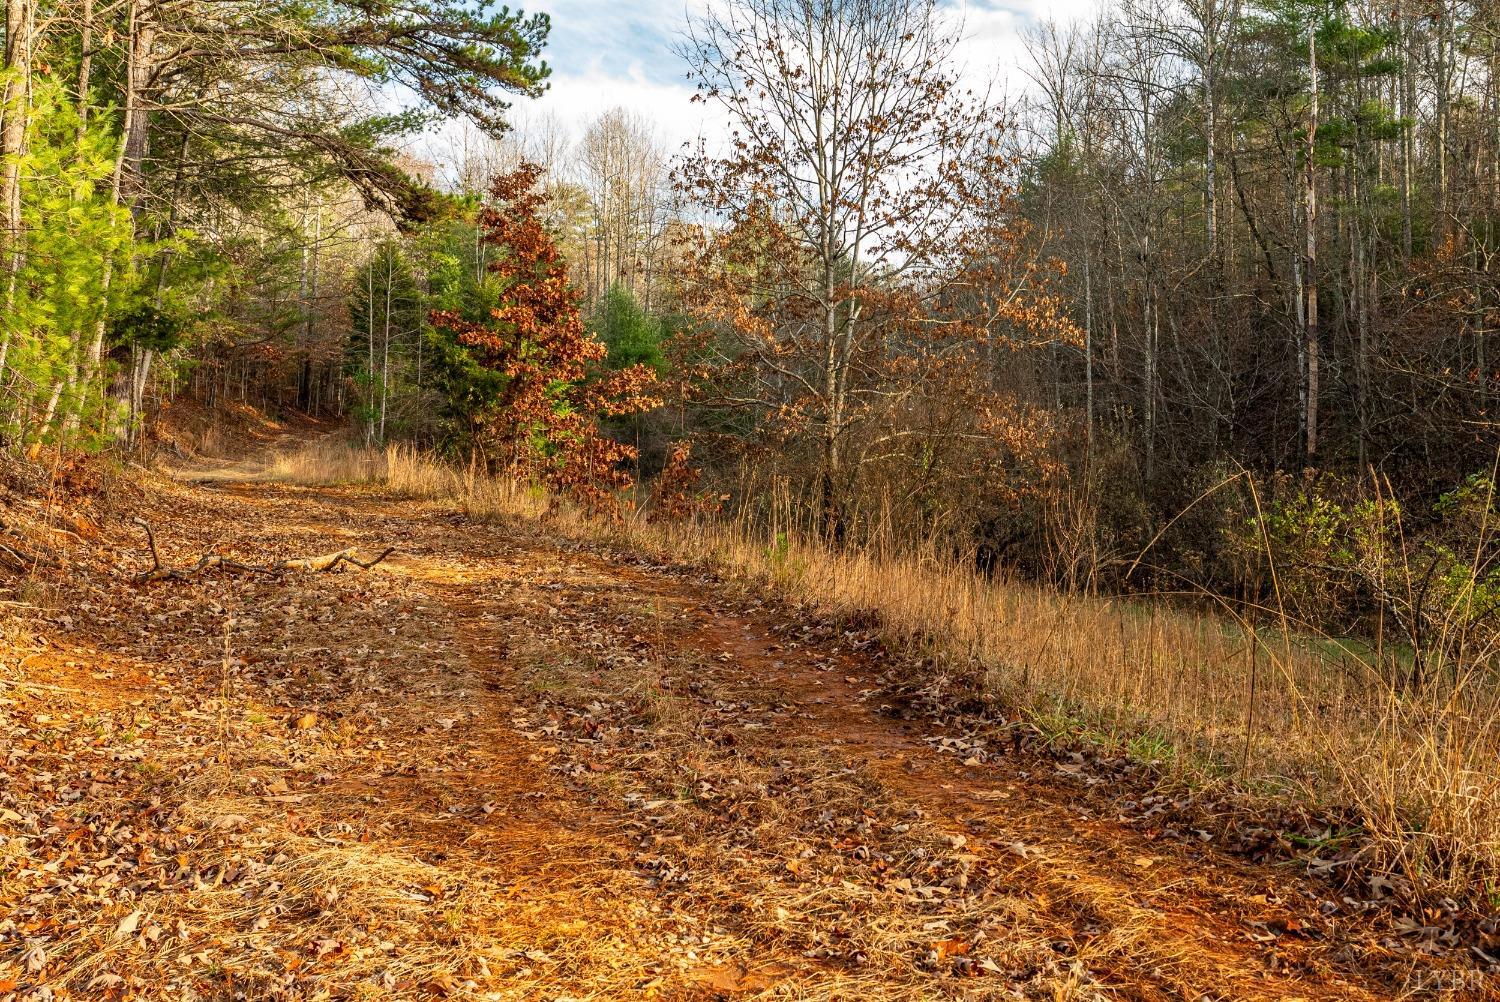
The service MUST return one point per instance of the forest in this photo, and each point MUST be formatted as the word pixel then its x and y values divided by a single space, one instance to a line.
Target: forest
pixel 1225 242
pixel 1129 407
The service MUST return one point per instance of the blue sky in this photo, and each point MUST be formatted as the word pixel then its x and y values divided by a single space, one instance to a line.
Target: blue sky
pixel 607 53
pixel 594 35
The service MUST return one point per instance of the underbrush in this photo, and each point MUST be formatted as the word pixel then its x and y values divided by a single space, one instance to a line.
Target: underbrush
pixel 1271 713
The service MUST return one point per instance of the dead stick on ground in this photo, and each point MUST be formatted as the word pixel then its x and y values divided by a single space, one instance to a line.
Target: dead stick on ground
pixel 24 559
pixel 315 565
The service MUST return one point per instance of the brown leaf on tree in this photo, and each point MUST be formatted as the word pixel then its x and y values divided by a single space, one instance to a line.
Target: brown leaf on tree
pixel 545 424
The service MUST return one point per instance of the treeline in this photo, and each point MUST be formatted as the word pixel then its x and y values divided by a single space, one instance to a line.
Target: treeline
pixel 1280 220
pixel 176 175
pixel 1209 311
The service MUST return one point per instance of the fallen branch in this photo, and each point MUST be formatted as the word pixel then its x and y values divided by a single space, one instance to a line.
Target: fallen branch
pixel 321 564
pixel 24 560
pixel 328 561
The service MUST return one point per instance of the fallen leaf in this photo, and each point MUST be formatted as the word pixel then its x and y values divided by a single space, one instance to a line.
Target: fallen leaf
pixel 128 924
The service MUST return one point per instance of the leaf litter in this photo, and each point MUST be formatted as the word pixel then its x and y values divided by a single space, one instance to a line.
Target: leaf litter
pixel 506 766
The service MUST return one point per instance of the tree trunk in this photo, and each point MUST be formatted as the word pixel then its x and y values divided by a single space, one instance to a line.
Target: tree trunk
pixel 85 61
pixel 312 286
pixel 1088 353
pixel 1210 158
pixel 13 129
pixel 1359 289
pixel 1310 262
pixel 16 113
pixel 1443 74
pixel 131 148
pixel 1408 109
pixel 370 361
pixel 385 346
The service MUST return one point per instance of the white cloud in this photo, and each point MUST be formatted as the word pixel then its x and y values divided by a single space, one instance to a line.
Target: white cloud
pixel 578 98
pixel 605 54
pixel 993 50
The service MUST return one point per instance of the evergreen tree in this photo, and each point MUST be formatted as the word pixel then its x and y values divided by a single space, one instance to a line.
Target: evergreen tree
pixel 387 310
pixel 632 336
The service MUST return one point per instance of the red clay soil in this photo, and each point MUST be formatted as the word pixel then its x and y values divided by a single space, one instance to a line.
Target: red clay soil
pixel 502 765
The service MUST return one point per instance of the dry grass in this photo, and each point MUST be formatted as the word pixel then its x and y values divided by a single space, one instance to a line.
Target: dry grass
pixel 1213 700
pixel 407 473
pixel 1274 713
pixel 328 461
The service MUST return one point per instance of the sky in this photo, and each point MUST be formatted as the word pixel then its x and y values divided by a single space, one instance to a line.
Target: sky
pixel 620 53
pixel 607 53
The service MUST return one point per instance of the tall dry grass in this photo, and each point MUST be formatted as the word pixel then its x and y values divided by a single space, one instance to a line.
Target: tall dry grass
pixel 330 460
pixel 1274 713
pixel 409 473
pixel 1266 710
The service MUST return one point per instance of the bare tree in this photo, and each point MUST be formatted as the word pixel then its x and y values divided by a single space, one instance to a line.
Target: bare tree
pixel 867 210
pixel 623 170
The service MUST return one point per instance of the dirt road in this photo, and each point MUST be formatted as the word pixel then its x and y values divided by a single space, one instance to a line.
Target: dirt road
pixel 503 765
